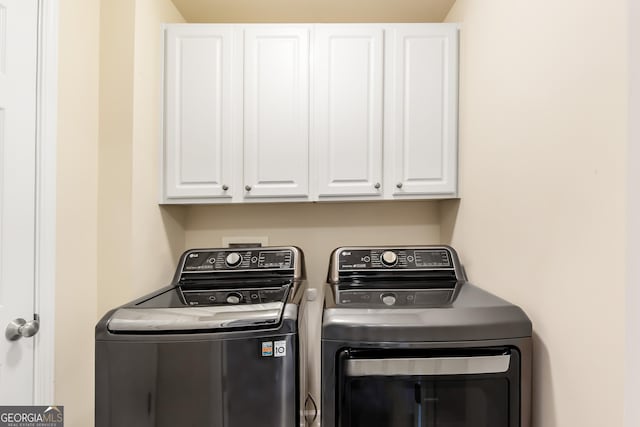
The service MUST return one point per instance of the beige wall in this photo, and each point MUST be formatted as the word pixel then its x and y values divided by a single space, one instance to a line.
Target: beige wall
pixel 114 156
pixel 157 232
pixel 133 230
pixel 107 208
pixel 542 157
pixel 543 134
pixel 632 369
pixel 314 10
pixel 77 215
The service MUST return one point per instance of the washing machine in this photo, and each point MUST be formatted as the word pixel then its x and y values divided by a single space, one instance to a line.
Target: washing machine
pixel 408 341
pixel 218 347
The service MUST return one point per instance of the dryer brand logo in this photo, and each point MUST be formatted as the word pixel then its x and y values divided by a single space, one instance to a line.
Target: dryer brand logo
pixel 31 416
pixel 194 255
pixel 274 348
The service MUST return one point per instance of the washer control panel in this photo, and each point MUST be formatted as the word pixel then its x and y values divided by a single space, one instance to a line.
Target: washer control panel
pixel 394 258
pixel 238 259
pixel 234 296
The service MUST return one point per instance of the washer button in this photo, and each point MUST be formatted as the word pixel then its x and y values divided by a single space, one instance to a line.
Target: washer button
pixel 388 299
pixel 389 258
pixel 234 298
pixel 233 259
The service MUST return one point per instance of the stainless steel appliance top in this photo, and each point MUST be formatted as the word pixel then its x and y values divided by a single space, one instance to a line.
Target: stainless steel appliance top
pixel 412 294
pixel 219 289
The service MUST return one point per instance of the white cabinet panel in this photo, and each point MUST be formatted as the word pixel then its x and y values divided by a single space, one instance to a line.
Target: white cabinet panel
pixel 347 133
pixel 198 149
pixel 238 103
pixel 276 111
pixel 422 111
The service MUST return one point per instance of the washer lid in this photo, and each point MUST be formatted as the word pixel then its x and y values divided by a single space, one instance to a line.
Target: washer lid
pixel 159 320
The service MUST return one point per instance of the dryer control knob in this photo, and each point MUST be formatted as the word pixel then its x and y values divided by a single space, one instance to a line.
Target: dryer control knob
pixel 233 259
pixel 389 258
pixel 234 298
pixel 388 299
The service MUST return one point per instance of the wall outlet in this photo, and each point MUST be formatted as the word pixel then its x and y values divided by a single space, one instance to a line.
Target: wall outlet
pixel 245 241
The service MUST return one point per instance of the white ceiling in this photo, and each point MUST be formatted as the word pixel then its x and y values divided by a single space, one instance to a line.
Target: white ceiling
pixel 314 10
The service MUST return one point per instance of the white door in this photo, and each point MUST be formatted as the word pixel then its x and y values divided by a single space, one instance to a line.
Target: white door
pixel 348 109
pixel 276 111
pixel 198 96
pixel 18 52
pixel 421 105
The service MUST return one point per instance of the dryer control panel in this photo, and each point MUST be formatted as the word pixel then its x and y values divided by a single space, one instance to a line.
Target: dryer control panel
pixel 391 262
pixel 367 259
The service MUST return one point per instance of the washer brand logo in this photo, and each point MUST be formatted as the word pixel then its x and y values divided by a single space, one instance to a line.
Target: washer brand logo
pixel 346 253
pixel 267 348
pixel 280 348
pixel 194 255
pixel 31 416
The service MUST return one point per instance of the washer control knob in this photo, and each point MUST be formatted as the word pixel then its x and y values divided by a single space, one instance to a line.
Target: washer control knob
pixel 389 258
pixel 234 298
pixel 388 299
pixel 233 259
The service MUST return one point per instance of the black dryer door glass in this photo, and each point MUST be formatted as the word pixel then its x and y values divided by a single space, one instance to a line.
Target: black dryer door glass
pixel 378 399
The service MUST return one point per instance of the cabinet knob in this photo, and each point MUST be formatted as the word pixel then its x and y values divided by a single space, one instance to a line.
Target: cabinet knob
pixel 377 185
pixel 399 185
pixel 225 187
pixel 247 187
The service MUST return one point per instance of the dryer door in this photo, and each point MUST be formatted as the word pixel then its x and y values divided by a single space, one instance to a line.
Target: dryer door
pixel 429 388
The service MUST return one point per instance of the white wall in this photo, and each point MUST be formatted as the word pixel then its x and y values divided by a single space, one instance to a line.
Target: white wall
pixel 541 221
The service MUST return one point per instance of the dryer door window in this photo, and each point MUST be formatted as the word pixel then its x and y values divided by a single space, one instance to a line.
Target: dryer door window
pixel 442 389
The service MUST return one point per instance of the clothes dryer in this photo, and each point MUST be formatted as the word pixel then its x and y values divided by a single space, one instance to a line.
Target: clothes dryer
pixel 407 341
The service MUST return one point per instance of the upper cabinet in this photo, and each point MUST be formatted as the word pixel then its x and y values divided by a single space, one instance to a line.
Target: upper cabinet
pixel 308 112
pixel 276 111
pixel 197 149
pixel 421 110
pixel 348 93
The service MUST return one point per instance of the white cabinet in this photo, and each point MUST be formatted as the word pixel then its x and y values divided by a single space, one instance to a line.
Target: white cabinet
pixel 421 110
pixel 348 93
pixel 276 111
pixel 197 153
pixel 309 112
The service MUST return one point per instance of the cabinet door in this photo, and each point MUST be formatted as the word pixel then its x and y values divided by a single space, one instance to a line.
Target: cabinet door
pixel 197 116
pixel 348 109
pixel 276 111
pixel 421 110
